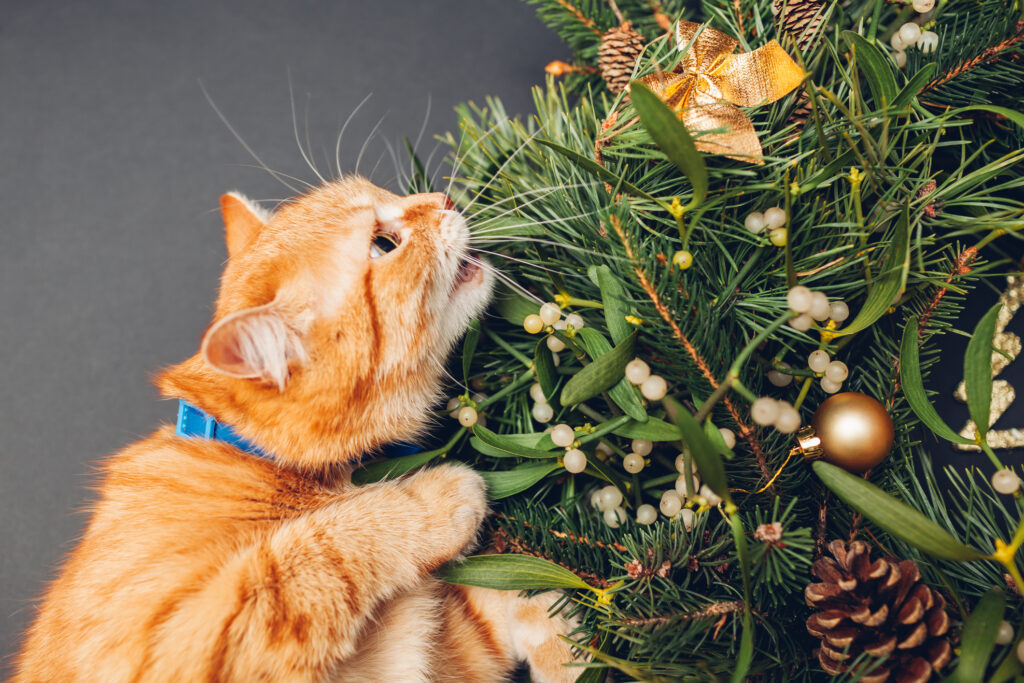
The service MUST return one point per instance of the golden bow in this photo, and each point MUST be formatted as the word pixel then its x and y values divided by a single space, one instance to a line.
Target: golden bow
pixel 710 84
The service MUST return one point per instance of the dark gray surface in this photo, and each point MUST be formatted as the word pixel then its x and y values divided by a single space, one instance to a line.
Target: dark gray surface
pixel 111 163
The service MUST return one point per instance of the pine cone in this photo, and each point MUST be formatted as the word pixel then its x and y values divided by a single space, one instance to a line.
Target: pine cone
pixel 800 20
pixel 878 607
pixel 617 55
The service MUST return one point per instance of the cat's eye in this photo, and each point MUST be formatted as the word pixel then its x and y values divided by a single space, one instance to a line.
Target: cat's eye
pixel 382 243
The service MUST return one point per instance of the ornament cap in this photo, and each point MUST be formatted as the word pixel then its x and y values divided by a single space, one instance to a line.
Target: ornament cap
pixel 809 444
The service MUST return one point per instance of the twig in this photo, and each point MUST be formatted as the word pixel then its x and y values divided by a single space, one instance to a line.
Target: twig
pixel 589 23
pixel 618 14
pixel 713 610
pixel 745 431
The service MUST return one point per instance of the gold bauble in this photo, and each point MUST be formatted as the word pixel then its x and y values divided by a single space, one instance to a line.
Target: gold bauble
pixel 850 430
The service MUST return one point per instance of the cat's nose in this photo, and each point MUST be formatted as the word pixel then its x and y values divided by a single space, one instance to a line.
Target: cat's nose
pixel 444 200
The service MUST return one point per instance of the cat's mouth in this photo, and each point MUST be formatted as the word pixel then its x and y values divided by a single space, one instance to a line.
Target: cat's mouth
pixel 469 271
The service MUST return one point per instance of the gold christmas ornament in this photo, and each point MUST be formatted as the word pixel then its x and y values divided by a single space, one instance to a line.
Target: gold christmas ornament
pixel 710 84
pixel 850 430
pixel 1007 347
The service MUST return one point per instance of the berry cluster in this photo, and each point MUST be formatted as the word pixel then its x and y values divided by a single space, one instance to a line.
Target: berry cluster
pixel 773 220
pixel 910 34
pixel 814 306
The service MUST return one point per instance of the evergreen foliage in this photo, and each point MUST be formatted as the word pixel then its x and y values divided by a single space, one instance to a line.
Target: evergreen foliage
pixel 869 181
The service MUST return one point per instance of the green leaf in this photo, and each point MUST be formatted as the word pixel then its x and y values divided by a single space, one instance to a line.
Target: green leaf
pixel 978 370
pixel 501 446
pixel 899 519
pixel 716 439
pixel 746 652
pixel 623 394
pixel 890 280
pixel 1008 669
pixel 601 375
pixel 652 430
pixel 1013 115
pixel 913 386
pixel 613 296
pixel 598 170
pixel 538 440
pixel 513 307
pixel 510 482
pixel 979 638
pixel 469 348
pixel 544 365
pixel 671 137
pixel 875 67
pixel 709 462
pixel 510 573
pixel 914 85
pixel 393 467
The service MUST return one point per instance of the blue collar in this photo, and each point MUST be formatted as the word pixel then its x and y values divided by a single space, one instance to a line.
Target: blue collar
pixel 196 422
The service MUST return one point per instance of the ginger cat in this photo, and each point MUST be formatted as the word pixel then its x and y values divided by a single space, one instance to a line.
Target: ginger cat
pixel 206 562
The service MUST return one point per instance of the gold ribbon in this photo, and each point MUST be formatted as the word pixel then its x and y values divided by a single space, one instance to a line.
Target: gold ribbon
pixel 710 84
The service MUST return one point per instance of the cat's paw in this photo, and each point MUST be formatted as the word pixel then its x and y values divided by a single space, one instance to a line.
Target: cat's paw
pixel 454 498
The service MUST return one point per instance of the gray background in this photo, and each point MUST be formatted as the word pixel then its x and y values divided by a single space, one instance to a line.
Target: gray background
pixel 111 164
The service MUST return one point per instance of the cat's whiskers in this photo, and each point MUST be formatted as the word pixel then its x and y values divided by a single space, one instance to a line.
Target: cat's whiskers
pixel 476 225
pixel 547 190
pixel 497 272
pixel 295 128
pixel 283 175
pixel 515 239
pixel 561 219
pixel 280 177
pixel 366 142
pixel 460 156
pixel 501 168
pixel 341 134
pixel 523 262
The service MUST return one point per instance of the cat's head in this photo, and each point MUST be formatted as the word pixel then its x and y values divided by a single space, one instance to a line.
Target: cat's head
pixel 334 320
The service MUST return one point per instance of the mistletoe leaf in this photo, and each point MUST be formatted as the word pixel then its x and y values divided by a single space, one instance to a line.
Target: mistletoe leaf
pixel 501 446
pixel 978 370
pixel 913 386
pixel 671 137
pixel 899 519
pixel 875 67
pixel 652 430
pixel 979 638
pixel 469 348
pixel 914 85
pixel 890 282
pixel 510 573
pixel 503 484
pixel 613 296
pixel 607 370
pixel 547 376
pixel 709 462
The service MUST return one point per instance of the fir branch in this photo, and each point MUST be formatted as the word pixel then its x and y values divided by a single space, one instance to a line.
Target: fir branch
pixel 745 431
pixel 579 16
pixel 505 542
pixel 715 609
pixel 988 55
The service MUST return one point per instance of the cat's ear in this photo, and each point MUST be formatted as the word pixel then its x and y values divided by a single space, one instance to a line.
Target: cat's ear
pixel 243 220
pixel 256 343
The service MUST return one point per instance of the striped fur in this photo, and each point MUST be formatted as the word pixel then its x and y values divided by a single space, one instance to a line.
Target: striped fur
pixel 204 563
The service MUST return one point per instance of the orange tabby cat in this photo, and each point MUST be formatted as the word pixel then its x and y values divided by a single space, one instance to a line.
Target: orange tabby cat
pixel 205 562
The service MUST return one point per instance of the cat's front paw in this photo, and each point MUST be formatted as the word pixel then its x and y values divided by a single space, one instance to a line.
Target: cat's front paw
pixel 454 500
